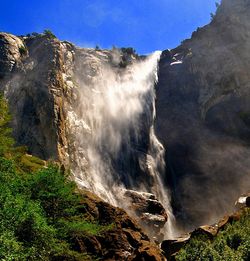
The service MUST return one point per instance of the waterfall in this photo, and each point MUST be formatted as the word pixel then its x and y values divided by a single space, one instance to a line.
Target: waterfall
pixel 111 127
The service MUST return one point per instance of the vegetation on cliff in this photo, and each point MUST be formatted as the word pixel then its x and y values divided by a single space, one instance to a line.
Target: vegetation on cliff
pixel 39 209
pixel 232 243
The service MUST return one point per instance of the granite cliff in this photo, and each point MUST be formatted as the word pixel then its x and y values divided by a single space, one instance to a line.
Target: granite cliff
pixel 203 115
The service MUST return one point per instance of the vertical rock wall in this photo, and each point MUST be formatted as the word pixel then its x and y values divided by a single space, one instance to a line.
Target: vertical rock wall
pixel 203 115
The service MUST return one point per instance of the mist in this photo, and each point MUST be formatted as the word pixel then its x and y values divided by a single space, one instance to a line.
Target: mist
pixel 113 146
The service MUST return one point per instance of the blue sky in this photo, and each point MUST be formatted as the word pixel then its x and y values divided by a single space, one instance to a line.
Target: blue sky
pixel 146 25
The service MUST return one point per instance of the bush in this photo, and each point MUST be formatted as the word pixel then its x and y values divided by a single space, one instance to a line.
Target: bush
pixel 128 50
pixel 35 34
pixel 49 34
pixel 233 243
pixel 23 50
pixel 39 207
pixel 54 192
pixel 39 215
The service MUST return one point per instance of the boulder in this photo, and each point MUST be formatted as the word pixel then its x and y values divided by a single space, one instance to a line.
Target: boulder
pixel 125 240
pixel 171 247
pixel 243 201
pixel 149 212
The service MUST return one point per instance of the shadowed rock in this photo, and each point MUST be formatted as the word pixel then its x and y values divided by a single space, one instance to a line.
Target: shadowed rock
pixel 124 241
pixel 203 116
pixel 149 212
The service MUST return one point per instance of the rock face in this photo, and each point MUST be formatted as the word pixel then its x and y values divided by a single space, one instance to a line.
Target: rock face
pixel 36 75
pixel 30 71
pixel 124 241
pixel 149 211
pixel 203 115
pixel 42 77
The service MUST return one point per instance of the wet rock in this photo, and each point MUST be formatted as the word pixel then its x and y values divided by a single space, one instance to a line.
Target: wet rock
pixel 212 230
pixel 166 55
pixel 148 210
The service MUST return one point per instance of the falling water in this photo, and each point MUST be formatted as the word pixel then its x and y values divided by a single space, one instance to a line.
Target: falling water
pixel 115 106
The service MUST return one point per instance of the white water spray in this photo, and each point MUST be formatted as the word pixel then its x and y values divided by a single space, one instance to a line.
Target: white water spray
pixel 107 123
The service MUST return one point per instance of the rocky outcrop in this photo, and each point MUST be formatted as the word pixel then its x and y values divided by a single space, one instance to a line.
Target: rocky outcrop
pixel 202 105
pixel 172 247
pixel 243 201
pixel 31 78
pixel 11 50
pixel 123 241
pixel 42 78
pixel 149 212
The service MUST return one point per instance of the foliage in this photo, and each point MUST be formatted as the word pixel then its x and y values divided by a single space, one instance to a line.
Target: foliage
pixel 49 34
pixel 23 50
pixel 54 192
pixel 128 50
pixel 127 53
pixel 233 243
pixel 6 141
pixel 35 34
pixel 28 163
pixel 39 206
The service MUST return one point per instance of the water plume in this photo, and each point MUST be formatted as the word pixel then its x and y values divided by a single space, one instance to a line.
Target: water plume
pixel 112 130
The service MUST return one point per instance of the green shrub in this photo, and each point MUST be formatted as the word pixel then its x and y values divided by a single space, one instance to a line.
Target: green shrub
pixel 232 243
pixel 128 50
pixel 23 50
pixel 35 34
pixel 49 34
pixel 54 192
pixel 39 207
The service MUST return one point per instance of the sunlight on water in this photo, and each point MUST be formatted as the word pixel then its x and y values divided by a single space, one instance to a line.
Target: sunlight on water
pixel 108 114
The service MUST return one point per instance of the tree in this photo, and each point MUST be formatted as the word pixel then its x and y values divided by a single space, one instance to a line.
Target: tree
pixel 49 34
pixel 55 192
